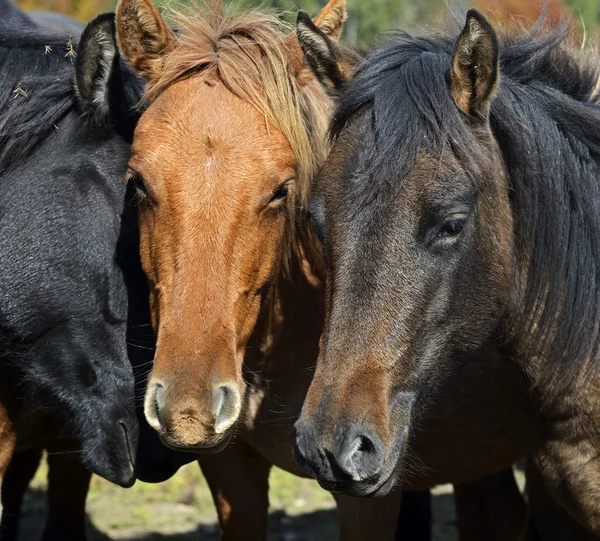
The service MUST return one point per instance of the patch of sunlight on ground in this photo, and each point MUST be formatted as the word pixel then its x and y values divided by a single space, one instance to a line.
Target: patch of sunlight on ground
pixel 181 509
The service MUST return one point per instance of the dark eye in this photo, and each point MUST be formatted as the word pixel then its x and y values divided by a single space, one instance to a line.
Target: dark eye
pixel 140 187
pixel 281 193
pixel 452 227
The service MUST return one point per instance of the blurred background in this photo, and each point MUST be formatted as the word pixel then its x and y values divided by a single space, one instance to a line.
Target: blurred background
pixel 368 18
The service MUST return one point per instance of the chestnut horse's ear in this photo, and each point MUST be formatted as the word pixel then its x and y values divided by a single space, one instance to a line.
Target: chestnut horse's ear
pixel 143 36
pixel 474 69
pixel 331 63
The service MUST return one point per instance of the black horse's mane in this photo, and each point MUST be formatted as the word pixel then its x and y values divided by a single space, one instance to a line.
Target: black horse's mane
pixel 546 119
pixel 37 91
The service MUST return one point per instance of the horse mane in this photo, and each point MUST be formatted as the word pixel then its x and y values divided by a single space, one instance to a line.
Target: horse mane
pixel 545 118
pixel 247 52
pixel 36 91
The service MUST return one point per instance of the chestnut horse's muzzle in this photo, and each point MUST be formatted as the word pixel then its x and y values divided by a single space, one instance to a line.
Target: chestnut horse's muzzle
pixel 197 422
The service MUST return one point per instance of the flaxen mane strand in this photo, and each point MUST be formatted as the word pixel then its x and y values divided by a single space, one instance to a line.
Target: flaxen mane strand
pixel 248 54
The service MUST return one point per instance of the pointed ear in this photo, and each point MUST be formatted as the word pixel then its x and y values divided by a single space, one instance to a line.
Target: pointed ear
pixel 331 18
pixel 143 36
pixel 331 63
pixel 474 70
pixel 95 64
pixel 330 21
pixel 105 85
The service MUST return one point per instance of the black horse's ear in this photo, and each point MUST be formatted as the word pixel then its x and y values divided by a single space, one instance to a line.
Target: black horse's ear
pixel 331 63
pixel 96 62
pixel 474 69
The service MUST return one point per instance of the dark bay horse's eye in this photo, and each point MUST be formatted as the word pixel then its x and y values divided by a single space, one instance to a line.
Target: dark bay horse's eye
pixel 451 227
pixel 281 192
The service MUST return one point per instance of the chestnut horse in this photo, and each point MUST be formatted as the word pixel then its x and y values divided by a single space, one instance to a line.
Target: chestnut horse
pixel 460 208
pixel 223 160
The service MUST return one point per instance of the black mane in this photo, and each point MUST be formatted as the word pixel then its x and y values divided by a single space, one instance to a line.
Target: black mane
pixel 546 119
pixel 38 91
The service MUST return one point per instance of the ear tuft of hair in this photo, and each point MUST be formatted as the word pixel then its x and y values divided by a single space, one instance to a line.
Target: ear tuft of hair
pixel 97 55
pixel 474 69
pixel 331 63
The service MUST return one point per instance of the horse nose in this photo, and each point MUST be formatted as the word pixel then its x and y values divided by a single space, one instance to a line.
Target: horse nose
pixel 354 454
pixel 153 406
pixel 192 419
pixel 226 407
pixel 359 454
pixel 305 449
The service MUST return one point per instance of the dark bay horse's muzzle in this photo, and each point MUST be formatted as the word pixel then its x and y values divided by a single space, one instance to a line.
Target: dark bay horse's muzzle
pixel 352 461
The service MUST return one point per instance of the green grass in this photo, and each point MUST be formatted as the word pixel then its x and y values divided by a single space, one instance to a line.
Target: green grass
pixel 181 509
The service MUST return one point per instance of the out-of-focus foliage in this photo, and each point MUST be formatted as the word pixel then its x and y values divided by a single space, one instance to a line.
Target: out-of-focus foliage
pixel 83 10
pixel 369 18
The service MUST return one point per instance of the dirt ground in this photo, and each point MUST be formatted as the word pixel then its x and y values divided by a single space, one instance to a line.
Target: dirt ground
pixel 182 510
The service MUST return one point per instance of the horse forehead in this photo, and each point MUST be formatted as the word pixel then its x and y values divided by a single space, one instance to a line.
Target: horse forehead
pixel 205 123
pixel 433 177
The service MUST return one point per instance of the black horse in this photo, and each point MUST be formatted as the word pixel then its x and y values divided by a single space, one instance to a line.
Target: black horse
pixel 66 123
pixel 87 94
pixel 460 209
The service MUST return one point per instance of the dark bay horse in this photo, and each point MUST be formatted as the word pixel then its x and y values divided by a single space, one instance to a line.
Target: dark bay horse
pixel 223 160
pixel 66 383
pixel 460 212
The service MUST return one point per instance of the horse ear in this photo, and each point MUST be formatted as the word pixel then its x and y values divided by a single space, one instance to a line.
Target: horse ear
pixel 331 63
pixel 143 36
pixel 331 18
pixel 330 21
pixel 95 63
pixel 474 69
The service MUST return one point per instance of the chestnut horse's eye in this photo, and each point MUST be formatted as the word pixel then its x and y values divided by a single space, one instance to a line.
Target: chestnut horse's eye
pixel 140 187
pixel 281 193
pixel 452 227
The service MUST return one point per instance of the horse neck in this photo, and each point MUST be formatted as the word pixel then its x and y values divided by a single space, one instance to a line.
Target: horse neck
pixel 286 336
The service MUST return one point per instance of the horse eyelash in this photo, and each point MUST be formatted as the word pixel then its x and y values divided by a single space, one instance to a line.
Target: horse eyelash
pixel 140 187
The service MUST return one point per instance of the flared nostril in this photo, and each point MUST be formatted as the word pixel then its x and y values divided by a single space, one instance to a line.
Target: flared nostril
pixel 361 456
pixel 305 449
pixel 154 403
pixel 227 407
pixel 159 397
pixel 129 445
pixel 365 445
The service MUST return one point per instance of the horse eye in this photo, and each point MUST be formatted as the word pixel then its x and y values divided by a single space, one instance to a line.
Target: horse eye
pixel 140 187
pixel 281 192
pixel 451 228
